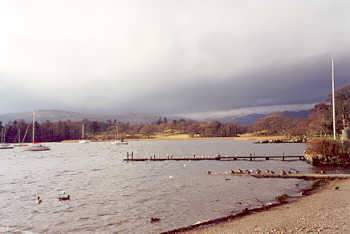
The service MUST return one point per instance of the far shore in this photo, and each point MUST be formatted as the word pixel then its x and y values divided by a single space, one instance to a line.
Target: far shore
pixel 325 211
pixel 180 137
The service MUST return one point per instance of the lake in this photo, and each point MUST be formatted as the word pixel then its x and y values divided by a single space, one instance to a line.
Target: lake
pixel 109 195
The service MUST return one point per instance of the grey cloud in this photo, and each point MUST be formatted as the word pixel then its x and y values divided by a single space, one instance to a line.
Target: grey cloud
pixel 169 56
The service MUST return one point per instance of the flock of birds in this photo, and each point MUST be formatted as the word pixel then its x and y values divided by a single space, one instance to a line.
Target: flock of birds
pixel 259 172
pixel 63 196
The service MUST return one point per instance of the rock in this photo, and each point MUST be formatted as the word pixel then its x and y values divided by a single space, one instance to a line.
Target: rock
pixel 282 198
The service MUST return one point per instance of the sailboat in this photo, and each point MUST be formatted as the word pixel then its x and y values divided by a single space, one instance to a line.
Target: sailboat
pixel 4 145
pixel 20 142
pixel 36 147
pixel 83 141
pixel 116 141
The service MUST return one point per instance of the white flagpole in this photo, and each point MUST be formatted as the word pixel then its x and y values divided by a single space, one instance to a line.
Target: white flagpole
pixel 333 101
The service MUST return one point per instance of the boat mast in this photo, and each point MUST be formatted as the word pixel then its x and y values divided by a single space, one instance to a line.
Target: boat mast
pixel 82 131
pixel 116 133
pixel 333 101
pixel 33 132
pixel 25 134
pixel 19 135
pixel 4 135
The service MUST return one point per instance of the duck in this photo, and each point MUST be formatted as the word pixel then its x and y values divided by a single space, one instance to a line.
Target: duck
pixel 38 200
pixel 63 196
pixel 155 219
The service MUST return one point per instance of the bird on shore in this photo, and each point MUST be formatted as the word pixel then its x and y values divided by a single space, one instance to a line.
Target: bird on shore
pixel 283 172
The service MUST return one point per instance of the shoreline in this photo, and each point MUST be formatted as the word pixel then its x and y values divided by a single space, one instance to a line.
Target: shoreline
pixel 313 211
pixel 184 138
pixel 207 224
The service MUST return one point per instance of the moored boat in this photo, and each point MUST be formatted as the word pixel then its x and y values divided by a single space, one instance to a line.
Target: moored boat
pixel 116 141
pixel 34 146
pixel 83 140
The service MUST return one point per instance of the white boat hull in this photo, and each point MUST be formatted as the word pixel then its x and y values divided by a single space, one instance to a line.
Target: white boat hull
pixel 119 143
pixel 84 141
pixel 38 148
pixel 6 146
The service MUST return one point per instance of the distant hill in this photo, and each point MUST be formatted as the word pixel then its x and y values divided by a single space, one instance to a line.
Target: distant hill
pixel 251 118
pixel 56 115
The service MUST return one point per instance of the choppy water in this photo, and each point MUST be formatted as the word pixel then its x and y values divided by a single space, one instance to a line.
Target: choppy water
pixel 109 195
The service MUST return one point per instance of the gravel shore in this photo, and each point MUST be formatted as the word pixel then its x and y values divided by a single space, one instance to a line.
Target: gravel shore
pixel 326 211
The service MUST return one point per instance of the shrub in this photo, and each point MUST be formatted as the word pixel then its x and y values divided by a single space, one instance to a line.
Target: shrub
pixel 328 152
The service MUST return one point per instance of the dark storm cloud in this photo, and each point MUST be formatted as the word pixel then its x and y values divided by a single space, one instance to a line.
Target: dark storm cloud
pixel 169 56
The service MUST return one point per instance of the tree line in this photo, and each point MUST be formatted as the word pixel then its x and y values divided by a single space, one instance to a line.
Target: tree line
pixel 47 131
pixel 317 123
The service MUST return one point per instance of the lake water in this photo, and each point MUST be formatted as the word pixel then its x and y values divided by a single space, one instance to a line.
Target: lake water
pixel 109 195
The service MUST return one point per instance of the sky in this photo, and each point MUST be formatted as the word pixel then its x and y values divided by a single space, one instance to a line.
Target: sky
pixel 169 56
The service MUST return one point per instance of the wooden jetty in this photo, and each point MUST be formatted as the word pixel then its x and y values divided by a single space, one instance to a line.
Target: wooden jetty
pixel 250 157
